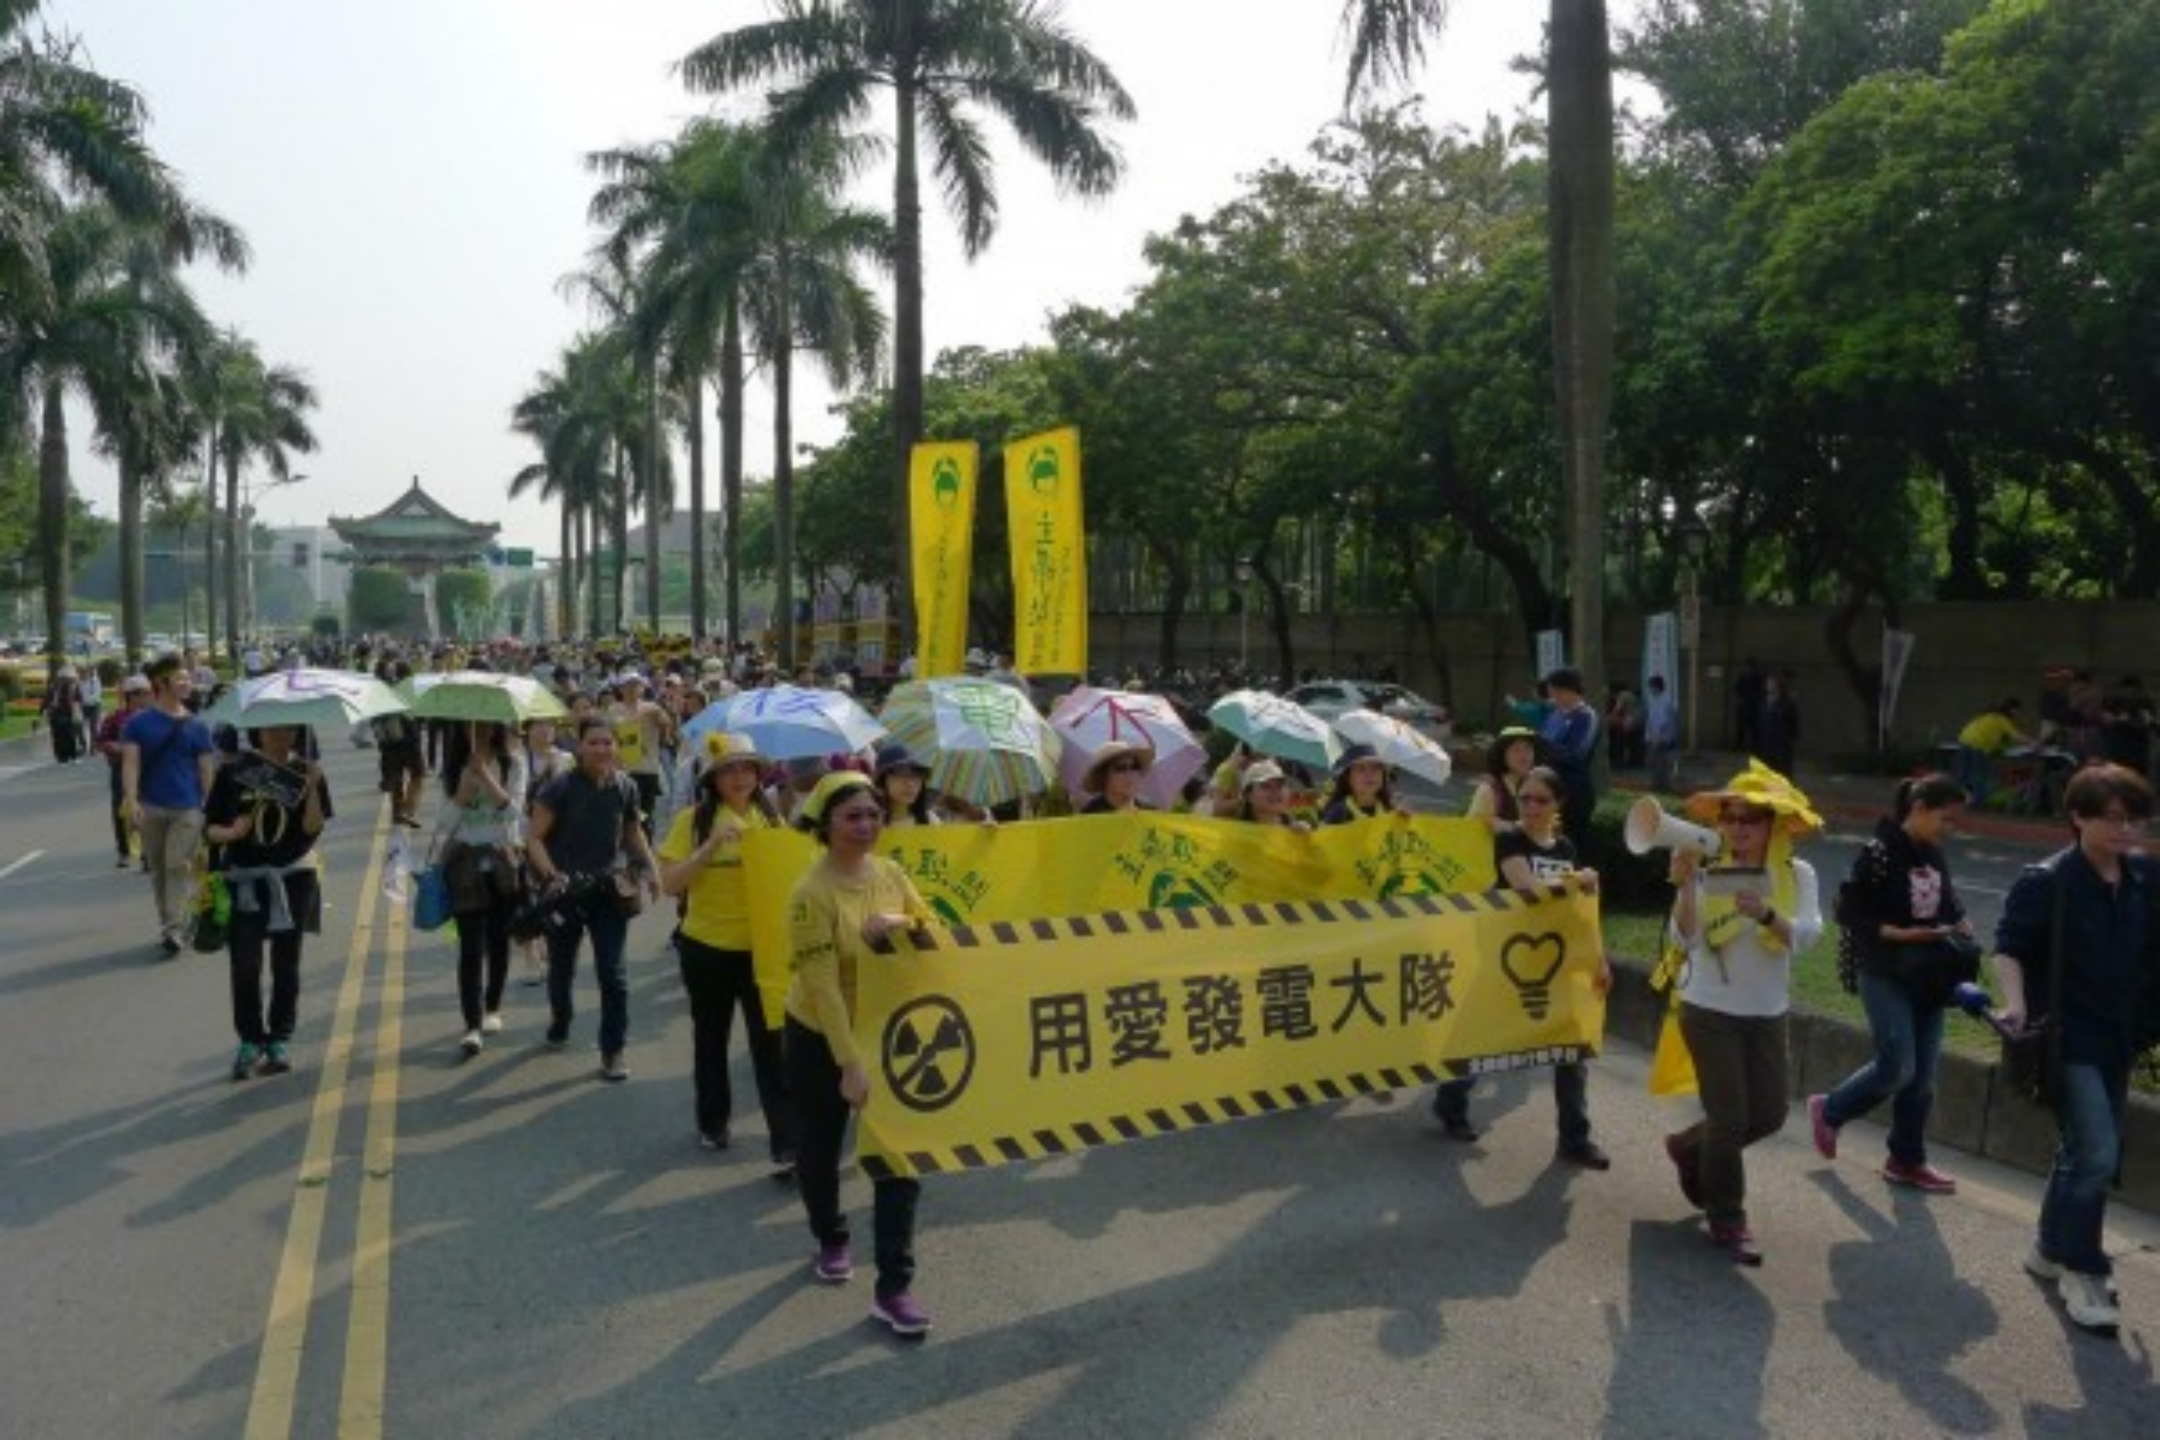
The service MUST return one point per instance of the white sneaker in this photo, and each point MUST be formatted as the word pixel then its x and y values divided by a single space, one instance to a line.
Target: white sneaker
pixel 471 1043
pixel 492 1025
pixel 2040 1267
pixel 2087 1302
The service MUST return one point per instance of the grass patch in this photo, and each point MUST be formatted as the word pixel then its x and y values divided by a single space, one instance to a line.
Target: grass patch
pixel 1638 936
pixel 13 724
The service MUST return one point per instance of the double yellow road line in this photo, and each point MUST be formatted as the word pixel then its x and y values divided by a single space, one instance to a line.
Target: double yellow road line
pixel 367 1335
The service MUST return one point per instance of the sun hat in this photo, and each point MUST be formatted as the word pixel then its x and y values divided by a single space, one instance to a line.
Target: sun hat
pixel 1356 754
pixel 630 677
pixel 1764 788
pixel 723 749
pixel 897 757
pixel 829 791
pixel 1259 773
pixel 1092 780
pixel 134 683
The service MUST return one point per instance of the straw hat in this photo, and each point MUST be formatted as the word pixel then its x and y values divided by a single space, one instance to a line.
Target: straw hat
pixel 1260 773
pixel 723 749
pixel 1092 779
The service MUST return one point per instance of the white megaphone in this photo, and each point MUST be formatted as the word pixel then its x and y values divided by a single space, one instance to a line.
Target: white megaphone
pixel 1650 828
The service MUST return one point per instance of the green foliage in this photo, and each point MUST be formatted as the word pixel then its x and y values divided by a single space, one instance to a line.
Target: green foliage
pixel 463 598
pixel 376 601
pixel 324 627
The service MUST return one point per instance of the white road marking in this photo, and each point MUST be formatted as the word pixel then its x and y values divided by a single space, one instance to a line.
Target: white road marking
pixel 33 855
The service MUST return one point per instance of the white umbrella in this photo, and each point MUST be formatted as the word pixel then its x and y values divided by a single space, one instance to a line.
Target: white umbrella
pixel 1088 719
pixel 787 722
pixel 1396 743
pixel 1278 727
pixel 321 698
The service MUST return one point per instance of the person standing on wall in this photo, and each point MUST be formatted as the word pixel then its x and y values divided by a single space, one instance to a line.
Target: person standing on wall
pixel 1570 733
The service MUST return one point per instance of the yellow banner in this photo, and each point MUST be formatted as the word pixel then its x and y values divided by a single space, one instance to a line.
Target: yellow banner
pixel 1047 526
pixel 1087 864
pixel 1019 1041
pixel 941 515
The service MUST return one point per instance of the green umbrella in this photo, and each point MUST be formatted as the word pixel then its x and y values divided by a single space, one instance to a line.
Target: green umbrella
pixel 982 740
pixel 484 695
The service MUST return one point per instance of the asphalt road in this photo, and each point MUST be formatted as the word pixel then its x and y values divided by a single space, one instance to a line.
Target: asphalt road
pixel 393 1242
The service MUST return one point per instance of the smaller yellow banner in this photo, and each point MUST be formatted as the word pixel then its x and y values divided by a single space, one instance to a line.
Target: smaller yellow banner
pixel 941 514
pixel 1046 522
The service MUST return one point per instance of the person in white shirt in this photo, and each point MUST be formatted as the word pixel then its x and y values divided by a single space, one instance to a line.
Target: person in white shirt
pixel 1741 924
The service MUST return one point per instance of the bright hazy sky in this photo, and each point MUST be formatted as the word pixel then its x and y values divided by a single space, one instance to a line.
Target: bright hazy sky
pixel 409 174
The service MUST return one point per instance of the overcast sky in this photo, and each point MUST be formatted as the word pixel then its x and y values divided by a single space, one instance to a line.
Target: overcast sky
pixel 410 175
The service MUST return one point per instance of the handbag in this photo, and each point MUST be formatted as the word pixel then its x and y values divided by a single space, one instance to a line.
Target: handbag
pixel 2031 1066
pixel 1931 969
pixel 431 899
pixel 213 915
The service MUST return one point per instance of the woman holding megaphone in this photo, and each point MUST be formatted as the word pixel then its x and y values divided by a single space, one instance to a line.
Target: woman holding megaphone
pixel 1739 924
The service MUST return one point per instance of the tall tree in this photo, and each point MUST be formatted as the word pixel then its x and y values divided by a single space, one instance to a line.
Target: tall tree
pixel 943 60
pixel 262 417
pixel 1388 41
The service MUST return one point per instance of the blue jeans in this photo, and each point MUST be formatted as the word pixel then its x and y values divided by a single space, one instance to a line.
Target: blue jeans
pixel 2075 1208
pixel 609 929
pixel 1908 1038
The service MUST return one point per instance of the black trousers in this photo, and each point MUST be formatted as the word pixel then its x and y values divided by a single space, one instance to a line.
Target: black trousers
pixel 483 939
pixel 821 1118
pixel 245 945
pixel 718 981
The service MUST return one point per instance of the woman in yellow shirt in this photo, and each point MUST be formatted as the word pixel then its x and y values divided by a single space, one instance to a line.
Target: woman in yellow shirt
pixel 701 860
pixel 845 910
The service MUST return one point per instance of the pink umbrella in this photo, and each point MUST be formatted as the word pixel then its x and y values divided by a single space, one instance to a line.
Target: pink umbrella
pixel 1088 719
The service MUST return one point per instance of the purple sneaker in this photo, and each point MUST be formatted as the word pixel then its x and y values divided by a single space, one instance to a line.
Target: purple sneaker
pixel 834 1265
pixel 901 1314
pixel 1819 1122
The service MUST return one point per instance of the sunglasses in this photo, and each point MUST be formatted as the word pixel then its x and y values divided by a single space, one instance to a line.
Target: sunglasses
pixel 1743 817
pixel 1125 767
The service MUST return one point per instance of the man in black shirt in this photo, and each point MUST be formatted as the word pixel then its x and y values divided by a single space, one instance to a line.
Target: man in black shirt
pixel 584 824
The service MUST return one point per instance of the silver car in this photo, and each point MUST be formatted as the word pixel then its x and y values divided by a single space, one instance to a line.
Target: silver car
pixel 1330 698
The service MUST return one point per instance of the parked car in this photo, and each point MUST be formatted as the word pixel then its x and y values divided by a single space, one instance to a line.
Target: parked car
pixel 1330 698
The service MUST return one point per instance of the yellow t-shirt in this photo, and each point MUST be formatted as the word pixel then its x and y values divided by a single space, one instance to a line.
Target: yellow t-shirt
pixel 825 918
pixel 719 913
pixel 1991 732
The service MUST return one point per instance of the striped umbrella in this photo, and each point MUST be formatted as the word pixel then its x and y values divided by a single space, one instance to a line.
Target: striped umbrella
pixel 983 741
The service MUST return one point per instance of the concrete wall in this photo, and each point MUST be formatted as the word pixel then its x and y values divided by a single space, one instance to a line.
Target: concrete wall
pixel 1965 657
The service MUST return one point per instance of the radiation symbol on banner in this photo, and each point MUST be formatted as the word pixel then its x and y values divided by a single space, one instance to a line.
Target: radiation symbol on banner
pixel 929 1053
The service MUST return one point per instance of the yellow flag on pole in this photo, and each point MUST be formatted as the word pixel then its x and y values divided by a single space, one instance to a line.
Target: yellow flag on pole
pixel 1045 517
pixel 941 508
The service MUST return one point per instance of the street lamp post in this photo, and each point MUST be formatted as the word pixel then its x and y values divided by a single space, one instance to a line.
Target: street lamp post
pixel 247 557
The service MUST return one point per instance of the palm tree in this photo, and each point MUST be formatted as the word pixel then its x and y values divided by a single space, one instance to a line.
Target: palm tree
pixel 942 59
pixel 570 415
pixel 148 438
pixel 90 226
pixel 261 415
pixel 1387 41
pixel 110 313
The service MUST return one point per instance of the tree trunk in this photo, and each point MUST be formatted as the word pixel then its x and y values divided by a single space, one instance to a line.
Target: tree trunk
pixel 210 514
pixel 1581 199
pixel 659 505
pixel 236 555
pixel 731 464
pixel 907 316
pixel 131 561
pixel 783 379
pixel 619 540
pixel 52 524
pixel 566 574
pixel 697 508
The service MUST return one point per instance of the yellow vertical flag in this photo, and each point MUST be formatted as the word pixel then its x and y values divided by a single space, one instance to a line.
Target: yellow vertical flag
pixel 1044 514
pixel 941 511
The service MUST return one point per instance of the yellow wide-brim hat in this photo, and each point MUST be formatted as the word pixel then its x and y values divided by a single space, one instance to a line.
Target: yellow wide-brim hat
pixel 1761 786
